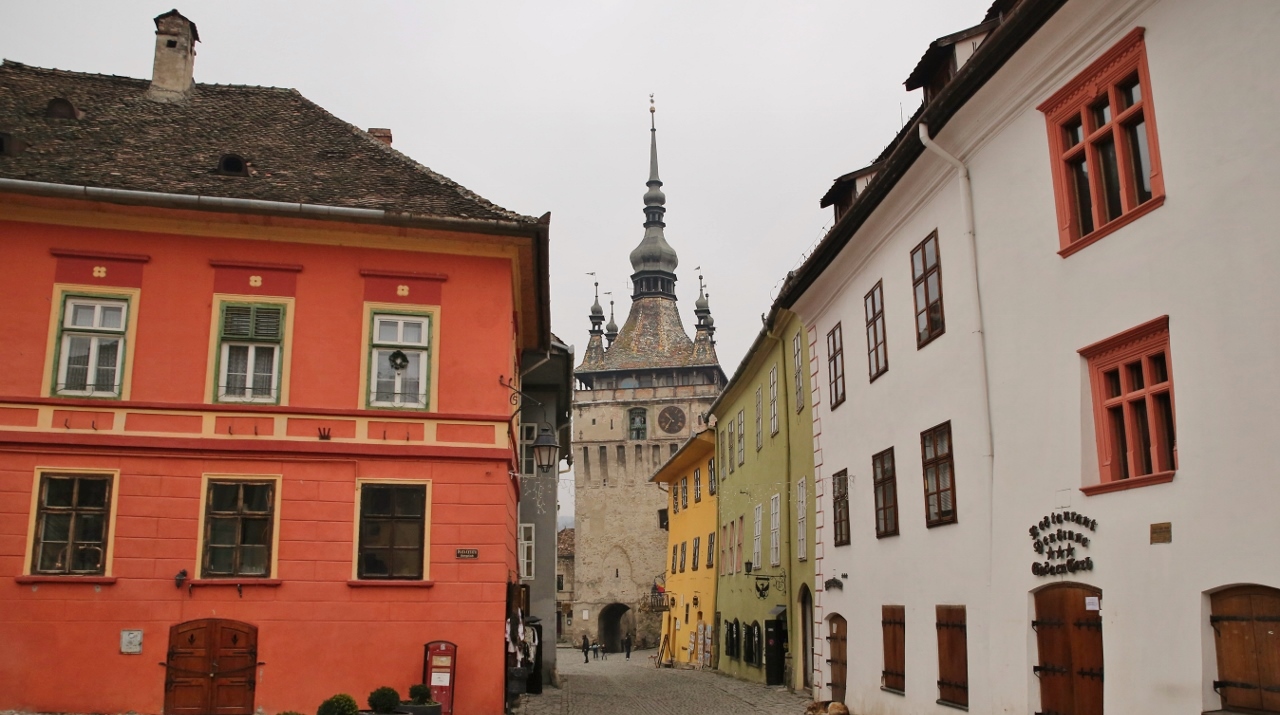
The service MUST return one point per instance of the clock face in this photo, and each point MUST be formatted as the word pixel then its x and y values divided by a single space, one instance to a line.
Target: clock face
pixel 671 420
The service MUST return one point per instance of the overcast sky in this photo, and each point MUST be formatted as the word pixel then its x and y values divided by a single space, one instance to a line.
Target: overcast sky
pixel 543 106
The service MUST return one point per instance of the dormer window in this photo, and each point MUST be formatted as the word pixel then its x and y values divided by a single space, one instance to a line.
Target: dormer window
pixel 232 165
pixel 60 108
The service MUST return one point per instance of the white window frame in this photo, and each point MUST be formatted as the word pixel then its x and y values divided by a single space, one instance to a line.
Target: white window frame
pixel 775 529
pixel 742 437
pixel 697 485
pixel 731 568
pixel 802 520
pixel 528 433
pixel 759 418
pixel 755 539
pixel 96 334
pixel 252 344
pixel 773 400
pixel 422 348
pixel 684 492
pixel 799 378
pixel 526 551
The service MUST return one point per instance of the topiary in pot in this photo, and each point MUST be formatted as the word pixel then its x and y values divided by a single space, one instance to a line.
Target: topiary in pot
pixel 384 700
pixel 420 701
pixel 340 704
pixel 420 694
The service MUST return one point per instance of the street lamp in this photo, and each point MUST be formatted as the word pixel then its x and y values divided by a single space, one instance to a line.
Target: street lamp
pixel 546 450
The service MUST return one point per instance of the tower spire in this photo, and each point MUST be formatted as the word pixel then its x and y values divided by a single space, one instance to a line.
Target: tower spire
pixel 654 261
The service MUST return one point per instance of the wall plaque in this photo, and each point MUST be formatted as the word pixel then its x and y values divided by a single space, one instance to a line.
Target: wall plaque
pixel 131 642
pixel 1162 533
pixel 1060 538
pixel 468 553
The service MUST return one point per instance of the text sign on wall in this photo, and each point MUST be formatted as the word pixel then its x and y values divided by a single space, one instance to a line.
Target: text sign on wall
pixel 1060 538
pixel 468 553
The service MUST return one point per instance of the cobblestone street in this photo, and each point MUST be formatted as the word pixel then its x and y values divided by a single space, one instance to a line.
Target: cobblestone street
pixel 622 687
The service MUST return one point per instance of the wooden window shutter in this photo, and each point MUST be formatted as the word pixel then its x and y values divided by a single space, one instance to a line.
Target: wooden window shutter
pixel 268 322
pixel 253 322
pixel 893 625
pixel 953 656
pixel 237 321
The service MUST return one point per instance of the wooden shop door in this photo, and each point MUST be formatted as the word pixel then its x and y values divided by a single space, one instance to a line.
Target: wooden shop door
pixel 211 667
pixel 1246 628
pixel 1069 637
pixel 839 657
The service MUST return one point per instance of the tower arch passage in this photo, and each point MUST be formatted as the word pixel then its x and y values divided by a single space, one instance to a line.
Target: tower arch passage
pixel 615 621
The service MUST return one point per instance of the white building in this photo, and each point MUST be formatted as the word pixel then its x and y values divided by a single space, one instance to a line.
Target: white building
pixel 1044 524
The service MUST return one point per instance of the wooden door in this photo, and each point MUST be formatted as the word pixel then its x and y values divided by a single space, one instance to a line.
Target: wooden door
pixel 1069 639
pixel 211 668
pixel 1246 626
pixel 839 659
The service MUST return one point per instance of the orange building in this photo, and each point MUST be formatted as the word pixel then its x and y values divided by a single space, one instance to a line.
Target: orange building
pixel 251 419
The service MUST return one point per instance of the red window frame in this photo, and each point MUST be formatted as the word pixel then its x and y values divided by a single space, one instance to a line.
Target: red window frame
pixel 835 365
pixel 1134 414
pixel 1092 112
pixel 926 286
pixel 877 346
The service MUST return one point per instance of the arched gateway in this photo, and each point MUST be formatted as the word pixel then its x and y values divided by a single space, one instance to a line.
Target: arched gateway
pixel 615 621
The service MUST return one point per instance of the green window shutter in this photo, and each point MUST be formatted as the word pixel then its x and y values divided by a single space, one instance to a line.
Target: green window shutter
pixel 252 322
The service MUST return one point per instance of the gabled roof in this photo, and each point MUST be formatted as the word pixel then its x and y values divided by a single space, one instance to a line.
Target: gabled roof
pixel 939 51
pixel 564 542
pixel 652 338
pixel 295 151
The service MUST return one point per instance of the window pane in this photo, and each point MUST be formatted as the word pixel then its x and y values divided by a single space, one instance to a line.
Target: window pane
pixel 922 326
pixel 257 497
pixel 51 556
pixel 108 355
pixel 92 493
pixel 920 296
pixel 1159 368
pixel 374 563
pixel 385 383
pixel 412 332
pixel 387 331
pixel 1074 131
pixel 1140 154
pixel 237 370
pixel 1084 203
pixel 1120 455
pixel 1166 438
pixel 58 491
pixel 406 563
pixel 375 533
pixel 77 377
pixel 221 559
pixel 1135 376
pixel 870 311
pixel 1141 438
pixel 82 316
pixel 222 531
pixel 943 441
pixel 407 533
pixel 875 294
pixel 112 316
pixel 224 496
pixel 1112 378
pixel 264 367
pixel 1101 114
pixel 1110 177
pixel 90 528
pixel 88 557
pixel 411 381
pixel 57 527
pixel 376 501
pixel 253 560
pixel 930 253
pixel 932 283
pixel 255 532
pixel 917 264
pixel 1130 92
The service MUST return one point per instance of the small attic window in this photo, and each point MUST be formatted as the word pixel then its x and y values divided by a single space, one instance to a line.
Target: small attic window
pixel 60 108
pixel 232 165
pixel 171 43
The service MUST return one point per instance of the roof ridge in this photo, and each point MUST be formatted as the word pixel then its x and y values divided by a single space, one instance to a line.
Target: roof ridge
pixel 54 70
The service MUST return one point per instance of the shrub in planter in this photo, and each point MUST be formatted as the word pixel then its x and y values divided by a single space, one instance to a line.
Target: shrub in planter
pixel 384 700
pixel 420 694
pixel 420 701
pixel 340 704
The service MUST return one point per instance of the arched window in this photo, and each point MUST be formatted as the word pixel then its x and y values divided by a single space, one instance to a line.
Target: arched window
pixel 232 165
pixel 60 108
pixel 638 423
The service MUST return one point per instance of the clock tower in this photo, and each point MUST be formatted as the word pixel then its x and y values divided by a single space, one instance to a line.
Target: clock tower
pixel 641 392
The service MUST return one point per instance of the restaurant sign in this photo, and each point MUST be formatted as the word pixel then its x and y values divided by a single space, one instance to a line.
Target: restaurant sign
pixel 1060 539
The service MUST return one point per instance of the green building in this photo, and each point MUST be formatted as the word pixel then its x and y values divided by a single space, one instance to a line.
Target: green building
pixel 764 443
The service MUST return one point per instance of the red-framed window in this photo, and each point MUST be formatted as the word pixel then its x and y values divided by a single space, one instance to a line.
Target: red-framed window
pixel 885 482
pixel 926 281
pixel 835 365
pixel 1103 146
pixel 939 476
pixel 1131 377
pixel 877 355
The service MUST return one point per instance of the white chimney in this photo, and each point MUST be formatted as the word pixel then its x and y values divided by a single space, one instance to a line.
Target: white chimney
pixel 171 75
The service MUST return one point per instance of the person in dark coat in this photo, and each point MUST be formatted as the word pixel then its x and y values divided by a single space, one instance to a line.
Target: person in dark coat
pixel 586 646
pixel 626 645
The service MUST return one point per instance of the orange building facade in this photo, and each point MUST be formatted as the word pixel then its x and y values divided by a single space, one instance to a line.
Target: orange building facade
pixel 251 457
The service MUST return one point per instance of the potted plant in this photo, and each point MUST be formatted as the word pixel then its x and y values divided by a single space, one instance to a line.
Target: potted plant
pixel 340 704
pixel 384 700
pixel 420 701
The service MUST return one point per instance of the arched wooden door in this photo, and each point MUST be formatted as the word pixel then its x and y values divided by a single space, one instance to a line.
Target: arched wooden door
pixel 806 633
pixel 1246 628
pixel 211 667
pixel 1069 638
pixel 839 660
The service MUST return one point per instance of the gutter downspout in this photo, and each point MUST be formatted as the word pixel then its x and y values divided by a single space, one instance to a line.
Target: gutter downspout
pixel 966 199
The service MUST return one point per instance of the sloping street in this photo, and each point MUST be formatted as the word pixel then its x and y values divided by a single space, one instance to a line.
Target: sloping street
pixel 616 685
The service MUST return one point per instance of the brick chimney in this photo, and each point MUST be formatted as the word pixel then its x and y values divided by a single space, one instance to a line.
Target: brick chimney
pixel 382 135
pixel 171 75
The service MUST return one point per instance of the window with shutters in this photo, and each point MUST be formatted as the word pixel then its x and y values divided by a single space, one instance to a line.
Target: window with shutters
pixel 1102 138
pixel 1133 411
pixel 796 375
pixel 893 626
pixel 726 541
pixel 393 527
pixel 775 529
pixel 756 563
pixel 684 492
pixel 251 342
pixel 400 361
pixel 732 639
pixel 91 347
pixel 885 482
pixel 759 418
pixel 732 446
pixel 742 530
pixel 711 549
pixel 835 365
pixel 939 475
pixel 742 436
pixel 802 519
pixel 953 656
pixel 1245 621
pixel 877 350
pixel 926 281
pixel 72 524
pixel 238 533
pixel 840 506
pixel 749 644
pixel 697 485
pixel 675 499
pixel 711 477
pixel 675 558
pixel 684 548
pixel 525 548
pixel 697 551
pixel 773 400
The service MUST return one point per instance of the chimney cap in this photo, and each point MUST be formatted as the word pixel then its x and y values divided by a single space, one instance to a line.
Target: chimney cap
pixel 382 134
pixel 195 35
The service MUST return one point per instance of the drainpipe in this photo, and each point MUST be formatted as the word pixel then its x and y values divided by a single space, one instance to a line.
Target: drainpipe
pixel 966 200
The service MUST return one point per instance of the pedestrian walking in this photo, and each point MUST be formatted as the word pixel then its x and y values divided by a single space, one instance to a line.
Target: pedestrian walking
pixel 626 645
pixel 604 652
pixel 595 650
pixel 586 646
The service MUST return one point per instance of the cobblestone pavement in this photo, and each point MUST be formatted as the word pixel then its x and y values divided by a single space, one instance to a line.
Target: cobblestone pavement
pixel 620 687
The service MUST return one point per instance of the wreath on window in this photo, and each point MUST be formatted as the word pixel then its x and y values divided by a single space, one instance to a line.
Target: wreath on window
pixel 399 361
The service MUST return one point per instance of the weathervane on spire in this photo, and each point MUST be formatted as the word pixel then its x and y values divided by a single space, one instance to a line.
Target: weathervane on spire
pixel 652 111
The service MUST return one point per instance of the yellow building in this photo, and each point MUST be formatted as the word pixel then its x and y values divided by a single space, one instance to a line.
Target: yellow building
pixel 689 477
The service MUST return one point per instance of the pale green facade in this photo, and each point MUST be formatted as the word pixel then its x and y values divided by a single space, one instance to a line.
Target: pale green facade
pixel 766 503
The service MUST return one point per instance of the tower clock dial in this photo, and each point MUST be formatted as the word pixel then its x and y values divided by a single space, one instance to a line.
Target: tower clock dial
pixel 671 419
